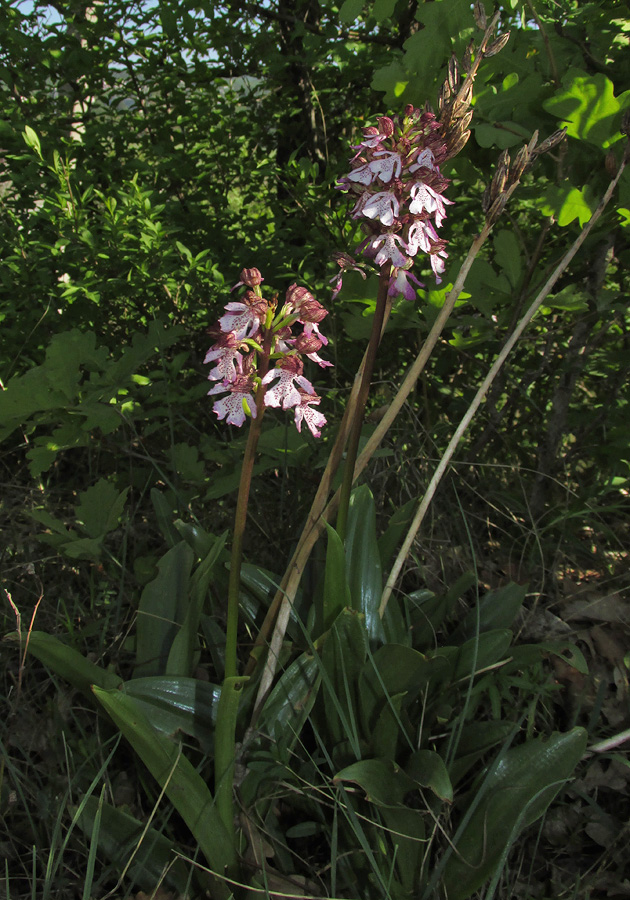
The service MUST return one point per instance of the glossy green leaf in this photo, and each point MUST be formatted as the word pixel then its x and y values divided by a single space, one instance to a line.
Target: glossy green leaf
pixel 363 564
pixel 496 609
pixel 290 702
pixel 428 769
pixel 336 595
pixel 384 783
pixel 181 655
pixel 343 654
pixel 182 784
pixel 395 532
pixel 516 791
pixel 162 609
pixel 407 836
pixel 477 653
pixel 475 739
pixel 65 661
pixel 121 837
pixel 177 704
pixel 395 669
pixel 388 729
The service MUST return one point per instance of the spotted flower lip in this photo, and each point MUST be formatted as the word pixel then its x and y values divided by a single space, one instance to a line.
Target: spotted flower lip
pixel 231 407
pixel 304 412
pixel 398 188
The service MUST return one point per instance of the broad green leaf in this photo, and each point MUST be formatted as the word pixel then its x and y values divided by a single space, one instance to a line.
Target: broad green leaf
pixel 517 790
pixel 588 108
pixel 566 203
pixel 162 608
pixel 500 134
pixel 508 255
pixel 363 564
pixel 290 702
pixel 388 729
pixel 336 595
pixel 181 655
pixel 407 834
pixel 175 704
pixel 383 782
pixel 383 9
pixel 32 140
pixel 476 654
pixel 396 529
pixel 122 837
pixel 164 517
pixel 392 670
pixel 343 654
pixel 65 661
pixel 182 784
pixel 428 769
pixel 570 299
pixel 497 609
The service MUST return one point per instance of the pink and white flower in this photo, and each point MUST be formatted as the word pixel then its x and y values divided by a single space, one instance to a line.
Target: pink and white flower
pixel 229 359
pixel 383 206
pixel 399 284
pixel 425 199
pixel 243 317
pixel 231 407
pixel 304 412
pixel 385 249
pixel 288 377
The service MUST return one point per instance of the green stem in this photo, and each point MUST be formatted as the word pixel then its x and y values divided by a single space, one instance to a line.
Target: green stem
pixel 240 516
pixel 357 422
pixel 225 730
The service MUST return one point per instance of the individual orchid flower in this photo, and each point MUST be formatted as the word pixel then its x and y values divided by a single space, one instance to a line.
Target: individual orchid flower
pixel 304 412
pixel 345 263
pixel 243 317
pixel 228 356
pixel 399 284
pixel 231 407
pixel 421 236
pixel 384 248
pixel 383 206
pixel 289 378
pixel 425 199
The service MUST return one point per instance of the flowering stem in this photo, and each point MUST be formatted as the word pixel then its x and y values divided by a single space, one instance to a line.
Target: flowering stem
pixel 225 731
pixel 364 389
pixel 240 516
